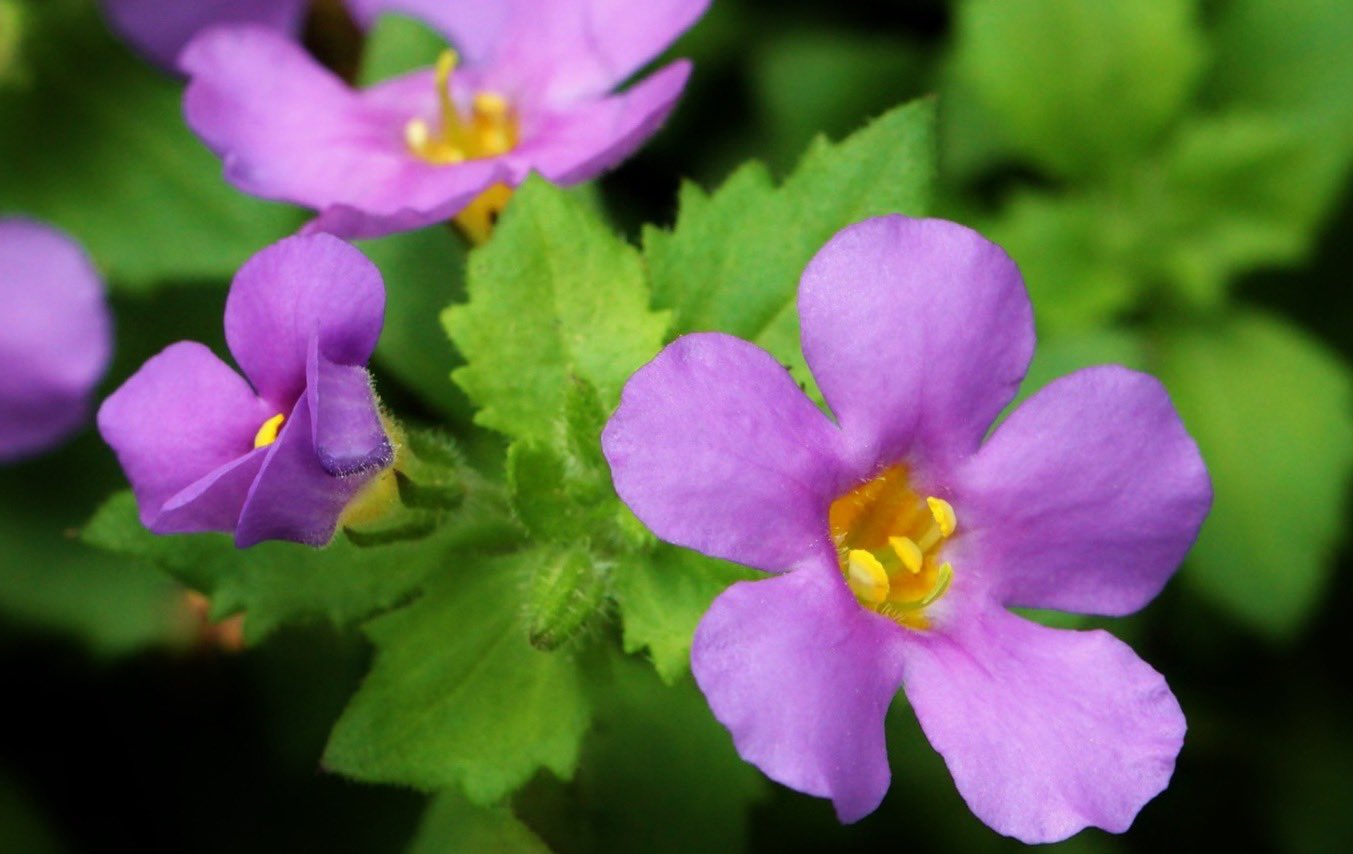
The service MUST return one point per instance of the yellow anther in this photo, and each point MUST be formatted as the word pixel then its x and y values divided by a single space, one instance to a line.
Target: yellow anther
pixel 490 105
pixel 866 577
pixel 907 552
pixel 943 512
pixel 267 434
pixel 417 134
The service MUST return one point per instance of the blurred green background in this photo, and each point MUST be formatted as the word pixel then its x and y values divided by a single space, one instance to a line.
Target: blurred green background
pixel 1172 177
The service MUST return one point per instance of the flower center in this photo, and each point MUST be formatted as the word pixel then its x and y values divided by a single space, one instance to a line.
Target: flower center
pixel 267 434
pixel 489 130
pixel 888 539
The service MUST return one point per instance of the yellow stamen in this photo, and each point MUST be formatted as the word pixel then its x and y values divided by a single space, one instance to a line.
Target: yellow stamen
pixel 866 577
pixel 267 434
pixel 446 65
pixel 943 512
pixel 908 552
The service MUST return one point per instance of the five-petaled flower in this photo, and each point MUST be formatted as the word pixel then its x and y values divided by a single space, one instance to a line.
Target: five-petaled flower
pixel 283 459
pixel 55 336
pixel 903 536
pixel 533 95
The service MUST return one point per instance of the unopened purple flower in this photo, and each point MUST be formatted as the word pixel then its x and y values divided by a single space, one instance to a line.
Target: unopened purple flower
pixel 533 94
pixel 55 336
pixel 159 29
pixel 903 537
pixel 281 452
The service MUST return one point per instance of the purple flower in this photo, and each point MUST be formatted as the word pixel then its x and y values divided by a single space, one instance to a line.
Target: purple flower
pixel 55 336
pixel 533 94
pixel 902 536
pixel 281 455
pixel 159 29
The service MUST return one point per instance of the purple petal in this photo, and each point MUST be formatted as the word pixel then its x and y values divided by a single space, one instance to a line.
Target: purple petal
pixel 1086 499
pixel 313 286
pixel 918 332
pixel 802 676
pixel 560 51
pixel 582 142
pixel 290 130
pixel 159 29
pixel 348 435
pixel 181 418
pixel 1045 731
pixel 474 28
pixel 715 448
pixel 55 336
pixel 293 497
pixel 212 503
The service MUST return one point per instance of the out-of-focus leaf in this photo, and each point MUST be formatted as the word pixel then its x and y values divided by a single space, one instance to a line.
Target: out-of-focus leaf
pixel 733 260
pixel 457 696
pixel 1078 86
pixel 1233 193
pixel 1076 254
pixel 453 824
pixel 811 83
pixel 1059 355
pixel 11 37
pixel 397 45
pixel 424 271
pixel 22 827
pixel 1273 414
pixel 94 142
pixel 662 597
pixel 276 583
pixel 50 581
pixel 554 295
pixel 659 773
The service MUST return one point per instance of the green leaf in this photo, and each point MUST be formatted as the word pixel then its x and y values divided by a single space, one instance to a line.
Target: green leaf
pixel 397 45
pixel 452 824
pixel 1271 410
pixel 424 272
pixel 1232 193
pixel 11 40
pixel 1059 355
pixel 1077 85
pixel 95 144
pixel 277 583
pixel 658 759
pixel 457 696
pixel 814 82
pixel 49 581
pixel 662 597
pixel 1077 255
pixel 733 260
pixel 552 296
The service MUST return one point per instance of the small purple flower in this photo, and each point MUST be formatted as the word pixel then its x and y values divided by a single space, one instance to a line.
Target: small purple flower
pixel 902 536
pixel 533 95
pixel 281 455
pixel 159 29
pixel 55 336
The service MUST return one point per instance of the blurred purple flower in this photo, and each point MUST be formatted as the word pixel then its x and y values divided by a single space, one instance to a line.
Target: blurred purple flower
pixel 903 536
pixel 534 94
pixel 159 29
pixel 205 451
pixel 55 336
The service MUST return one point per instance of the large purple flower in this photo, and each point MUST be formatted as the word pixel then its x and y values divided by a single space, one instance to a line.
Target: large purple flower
pixel 534 94
pixel 160 28
pixel 903 536
pixel 281 455
pixel 55 336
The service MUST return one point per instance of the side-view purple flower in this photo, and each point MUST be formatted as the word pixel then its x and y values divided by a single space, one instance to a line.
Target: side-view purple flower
pixel 533 94
pixel 159 29
pixel 283 454
pixel 901 533
pixel 55 336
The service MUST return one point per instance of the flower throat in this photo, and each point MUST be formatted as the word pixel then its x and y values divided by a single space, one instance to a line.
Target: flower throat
pixel 888 540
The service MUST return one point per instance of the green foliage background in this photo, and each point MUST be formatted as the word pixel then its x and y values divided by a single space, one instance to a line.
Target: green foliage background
pixel 508 659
